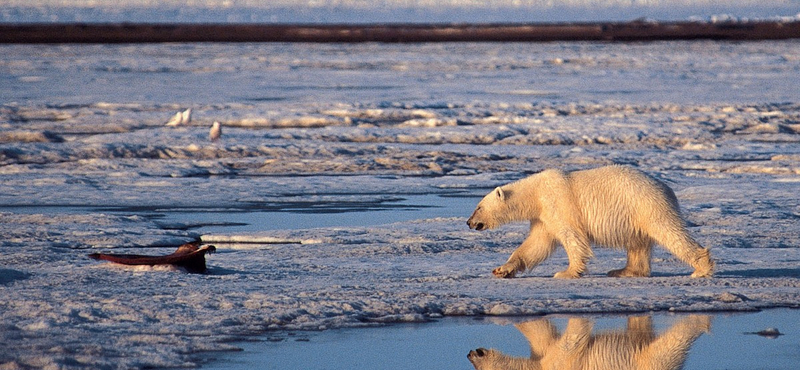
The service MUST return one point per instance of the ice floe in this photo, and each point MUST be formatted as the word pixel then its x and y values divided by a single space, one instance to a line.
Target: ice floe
pixel 392 172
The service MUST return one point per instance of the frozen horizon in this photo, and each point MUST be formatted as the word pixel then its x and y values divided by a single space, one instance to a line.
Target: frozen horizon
pixel 388 11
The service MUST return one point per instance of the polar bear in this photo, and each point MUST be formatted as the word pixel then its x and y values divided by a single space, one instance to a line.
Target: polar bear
pixel 612 206
pixel 637 347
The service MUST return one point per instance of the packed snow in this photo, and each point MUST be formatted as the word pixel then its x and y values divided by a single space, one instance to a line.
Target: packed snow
pixel 340 133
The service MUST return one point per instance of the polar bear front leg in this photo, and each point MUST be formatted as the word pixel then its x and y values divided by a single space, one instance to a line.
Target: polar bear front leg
pixel 536 248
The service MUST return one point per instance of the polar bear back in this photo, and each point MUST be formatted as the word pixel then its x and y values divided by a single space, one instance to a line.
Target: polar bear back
pixel 619 203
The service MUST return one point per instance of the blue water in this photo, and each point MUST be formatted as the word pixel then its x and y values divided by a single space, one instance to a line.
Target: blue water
pixel 444 344
pixel 392 208
pixel 402 208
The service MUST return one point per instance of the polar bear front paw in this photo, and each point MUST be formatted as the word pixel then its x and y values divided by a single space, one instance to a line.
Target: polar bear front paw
pixel 504 272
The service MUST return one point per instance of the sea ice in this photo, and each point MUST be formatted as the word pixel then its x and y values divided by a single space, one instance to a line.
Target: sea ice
pixel 321 132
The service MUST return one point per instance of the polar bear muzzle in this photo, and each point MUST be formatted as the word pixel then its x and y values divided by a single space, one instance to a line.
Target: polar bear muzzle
pixel 476 224
pixel 480 226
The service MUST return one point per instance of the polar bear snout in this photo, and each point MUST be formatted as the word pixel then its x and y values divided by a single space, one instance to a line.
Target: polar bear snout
pixel 480 352
pixel 480 359
pixel 476 355
pixel 477 220
pixel 476 225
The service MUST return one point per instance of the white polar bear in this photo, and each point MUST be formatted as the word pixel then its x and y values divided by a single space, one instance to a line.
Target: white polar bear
pixel 613 206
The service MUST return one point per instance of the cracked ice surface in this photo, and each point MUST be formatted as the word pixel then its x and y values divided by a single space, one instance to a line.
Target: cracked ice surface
pixel 342 133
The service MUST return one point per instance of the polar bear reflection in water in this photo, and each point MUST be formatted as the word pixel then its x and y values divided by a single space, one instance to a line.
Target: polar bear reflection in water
pixel 635 348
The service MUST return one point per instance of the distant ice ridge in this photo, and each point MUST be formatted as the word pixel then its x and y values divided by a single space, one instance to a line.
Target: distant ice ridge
pixel 390 11
pixel 728 18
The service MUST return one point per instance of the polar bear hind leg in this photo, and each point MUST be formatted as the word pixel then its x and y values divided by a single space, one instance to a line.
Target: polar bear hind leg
pixel 638 265
pixel 677 241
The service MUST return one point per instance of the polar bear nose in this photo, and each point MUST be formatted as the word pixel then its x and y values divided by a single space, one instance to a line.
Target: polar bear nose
pixel 480 352
pixel 477 225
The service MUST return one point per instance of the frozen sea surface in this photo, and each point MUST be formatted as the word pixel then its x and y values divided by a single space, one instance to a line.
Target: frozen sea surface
pixel 388 146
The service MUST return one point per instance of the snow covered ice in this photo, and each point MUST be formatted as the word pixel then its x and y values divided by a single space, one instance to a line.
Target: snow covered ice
pixel 339 133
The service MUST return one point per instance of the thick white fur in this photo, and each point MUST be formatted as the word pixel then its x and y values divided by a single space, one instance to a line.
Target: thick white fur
pixel 613 206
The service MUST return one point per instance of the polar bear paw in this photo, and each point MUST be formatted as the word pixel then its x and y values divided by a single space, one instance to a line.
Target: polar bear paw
pixel 504 272
pixel 702 273
pixel 567 274
pixel 627 273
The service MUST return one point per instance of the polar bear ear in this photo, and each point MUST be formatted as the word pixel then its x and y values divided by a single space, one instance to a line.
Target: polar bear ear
pixel 500 194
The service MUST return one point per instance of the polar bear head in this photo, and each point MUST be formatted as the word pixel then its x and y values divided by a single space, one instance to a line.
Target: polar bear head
pixel 489 359
pixel 490 212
